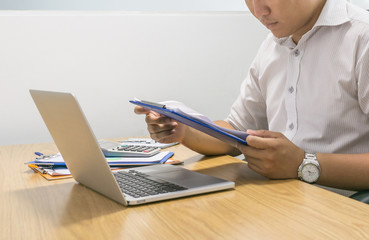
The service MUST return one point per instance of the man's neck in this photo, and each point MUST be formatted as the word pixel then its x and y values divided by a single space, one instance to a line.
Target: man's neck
pixel 310 23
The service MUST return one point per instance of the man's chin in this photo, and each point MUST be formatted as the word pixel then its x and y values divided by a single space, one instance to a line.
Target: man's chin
pixel 279 35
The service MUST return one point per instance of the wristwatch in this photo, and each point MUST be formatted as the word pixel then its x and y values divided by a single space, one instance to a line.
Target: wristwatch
pixel 309 170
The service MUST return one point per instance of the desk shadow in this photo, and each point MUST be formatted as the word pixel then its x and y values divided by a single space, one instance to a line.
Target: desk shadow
pixel 238 171
pixel 86 204
pixel 65 203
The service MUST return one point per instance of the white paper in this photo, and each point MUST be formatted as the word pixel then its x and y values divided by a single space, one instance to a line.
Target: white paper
pixel 187 111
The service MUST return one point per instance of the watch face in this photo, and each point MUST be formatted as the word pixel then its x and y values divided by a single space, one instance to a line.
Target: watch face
pixel 310 173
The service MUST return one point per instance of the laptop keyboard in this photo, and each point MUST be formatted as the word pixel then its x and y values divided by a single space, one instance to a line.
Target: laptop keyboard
pixel 137 184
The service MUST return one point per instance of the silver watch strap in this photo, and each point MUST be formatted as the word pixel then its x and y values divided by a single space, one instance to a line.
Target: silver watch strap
pixel 310 156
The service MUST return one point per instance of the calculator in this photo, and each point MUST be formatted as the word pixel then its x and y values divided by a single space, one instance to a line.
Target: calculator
pixel 114 149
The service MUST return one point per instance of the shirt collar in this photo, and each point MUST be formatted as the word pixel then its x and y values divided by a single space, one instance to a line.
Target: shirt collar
pixel 333 13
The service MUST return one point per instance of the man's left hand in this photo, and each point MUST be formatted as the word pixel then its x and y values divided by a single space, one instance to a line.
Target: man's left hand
pixel 272 155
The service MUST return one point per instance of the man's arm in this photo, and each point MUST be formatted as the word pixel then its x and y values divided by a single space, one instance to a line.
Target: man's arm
pixel 345 171
pixel 272 155
pixel 208 145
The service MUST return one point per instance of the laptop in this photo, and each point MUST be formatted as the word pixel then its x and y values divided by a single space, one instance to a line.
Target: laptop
pixel 79 147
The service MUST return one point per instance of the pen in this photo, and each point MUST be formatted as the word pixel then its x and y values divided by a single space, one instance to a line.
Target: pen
pixel 42 170
pixel 36 168
pixel 153 104
pixel 42 156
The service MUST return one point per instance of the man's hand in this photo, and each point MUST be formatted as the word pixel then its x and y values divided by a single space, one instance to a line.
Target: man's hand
pixel 272 155
pixel 161 128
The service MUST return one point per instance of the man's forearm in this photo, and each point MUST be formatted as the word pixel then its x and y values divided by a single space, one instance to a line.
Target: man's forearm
pixel 345 171
pixel 208 145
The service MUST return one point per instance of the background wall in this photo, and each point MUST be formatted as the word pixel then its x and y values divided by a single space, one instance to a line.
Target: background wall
pixel 136 5
pixel 109 57
pixel 106 58
pixel 361 3
pixel 125 5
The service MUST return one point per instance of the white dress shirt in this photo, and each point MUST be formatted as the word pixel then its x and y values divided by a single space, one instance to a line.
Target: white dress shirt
pixel 316 92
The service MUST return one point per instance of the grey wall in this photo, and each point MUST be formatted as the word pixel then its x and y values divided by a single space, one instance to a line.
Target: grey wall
pixel 136 5
pixel 361 3
pixel 125 5
pixel 108 58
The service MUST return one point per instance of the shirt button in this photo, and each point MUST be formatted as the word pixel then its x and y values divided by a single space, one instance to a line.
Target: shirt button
pixel 297 53
pixel 291 89
pixel 291 126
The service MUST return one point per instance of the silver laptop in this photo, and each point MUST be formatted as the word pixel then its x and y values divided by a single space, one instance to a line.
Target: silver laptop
pixel 76 142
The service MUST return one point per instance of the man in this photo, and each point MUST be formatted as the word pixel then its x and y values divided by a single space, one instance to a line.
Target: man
pixel 309 86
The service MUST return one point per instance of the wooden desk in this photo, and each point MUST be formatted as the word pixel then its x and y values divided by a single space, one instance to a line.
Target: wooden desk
pixel 33 208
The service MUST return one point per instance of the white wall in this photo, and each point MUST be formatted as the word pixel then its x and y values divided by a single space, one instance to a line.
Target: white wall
pixel 136 5
pixel 126 5
pixel 361 3
pixel 107 58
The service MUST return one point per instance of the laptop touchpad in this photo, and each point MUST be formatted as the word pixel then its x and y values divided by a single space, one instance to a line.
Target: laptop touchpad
pixel 187 179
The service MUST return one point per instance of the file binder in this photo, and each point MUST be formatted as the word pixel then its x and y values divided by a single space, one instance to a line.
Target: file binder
pixel 232 137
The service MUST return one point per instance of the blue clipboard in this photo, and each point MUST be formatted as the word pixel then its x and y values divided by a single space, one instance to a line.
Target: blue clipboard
pixel 232 137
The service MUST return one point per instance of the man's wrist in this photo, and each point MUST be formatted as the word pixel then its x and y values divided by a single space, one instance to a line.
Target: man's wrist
pixel 309 170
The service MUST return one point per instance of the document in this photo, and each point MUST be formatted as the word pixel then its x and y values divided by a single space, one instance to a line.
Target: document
pixel 159 158
pixel 183 114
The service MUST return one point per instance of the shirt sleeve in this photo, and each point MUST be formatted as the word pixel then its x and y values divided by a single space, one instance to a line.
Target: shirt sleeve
pixel 362 72
pixel 249 109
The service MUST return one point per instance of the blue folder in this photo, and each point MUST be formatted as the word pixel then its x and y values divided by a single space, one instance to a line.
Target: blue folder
pixel 232 137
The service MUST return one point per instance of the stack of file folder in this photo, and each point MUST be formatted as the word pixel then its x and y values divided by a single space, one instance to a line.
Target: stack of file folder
pixel 53 166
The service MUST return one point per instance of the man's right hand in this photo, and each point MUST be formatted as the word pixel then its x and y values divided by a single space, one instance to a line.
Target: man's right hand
pixel 161 128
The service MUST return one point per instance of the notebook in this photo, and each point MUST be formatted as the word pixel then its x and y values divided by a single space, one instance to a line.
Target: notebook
pixel 76 142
